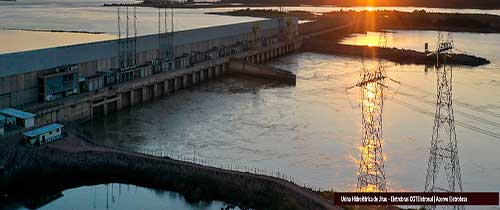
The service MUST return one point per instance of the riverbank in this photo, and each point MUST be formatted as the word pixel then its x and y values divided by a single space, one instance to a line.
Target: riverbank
pixel 325 32
pixel 77 161
pixel 52 31
pixel 449 4
pixel 363 21
pixel 268 13
pixel 401 56
pixel 418 20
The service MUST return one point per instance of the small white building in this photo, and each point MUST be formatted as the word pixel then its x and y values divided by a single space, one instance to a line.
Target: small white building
pixel 18 117
pixel 44 135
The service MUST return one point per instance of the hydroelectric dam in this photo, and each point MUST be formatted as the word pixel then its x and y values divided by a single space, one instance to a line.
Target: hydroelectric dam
pixel 80 82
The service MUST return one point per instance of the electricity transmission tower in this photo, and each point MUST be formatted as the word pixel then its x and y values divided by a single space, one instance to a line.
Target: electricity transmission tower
pixel 443 170
pixel 371 174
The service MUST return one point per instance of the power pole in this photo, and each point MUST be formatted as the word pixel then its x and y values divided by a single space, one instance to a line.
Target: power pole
pixel 171 55
pixel 443 169
pixel 119 29
pixel 135 37
pixel 158 54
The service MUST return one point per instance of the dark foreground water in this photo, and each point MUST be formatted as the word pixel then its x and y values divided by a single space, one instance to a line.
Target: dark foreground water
pixel 120 197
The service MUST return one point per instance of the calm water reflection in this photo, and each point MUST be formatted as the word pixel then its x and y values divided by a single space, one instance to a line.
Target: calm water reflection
pixel 123 197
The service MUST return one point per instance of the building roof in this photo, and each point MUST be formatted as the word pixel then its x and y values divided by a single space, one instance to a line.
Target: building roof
pixel 42 130
pixel 17 113
pixel 2 117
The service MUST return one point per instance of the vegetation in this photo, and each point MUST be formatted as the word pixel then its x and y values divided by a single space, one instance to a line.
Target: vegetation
pixel 420 20
pixel 476 4
pixel 268 13
pixel 389 19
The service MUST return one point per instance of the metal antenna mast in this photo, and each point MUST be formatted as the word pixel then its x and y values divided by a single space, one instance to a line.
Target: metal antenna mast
pixel 135 37
pixel 135 23
pixel 159 21
pixel 127 41
pixel 120 43
pixel 171 31
pixel 444 148
pixel 119 29
pixel 127 24
pixel 158 55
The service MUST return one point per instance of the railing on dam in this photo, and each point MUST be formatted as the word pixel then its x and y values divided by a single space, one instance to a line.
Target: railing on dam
pixel 228 165
pixel 87 135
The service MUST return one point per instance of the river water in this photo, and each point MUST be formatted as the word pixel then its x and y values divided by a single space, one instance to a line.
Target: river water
pixel 312 131
pixel 120 196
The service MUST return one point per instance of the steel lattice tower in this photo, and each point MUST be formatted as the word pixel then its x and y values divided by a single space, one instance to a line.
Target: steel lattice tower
pixel 443 170
pixel 371 173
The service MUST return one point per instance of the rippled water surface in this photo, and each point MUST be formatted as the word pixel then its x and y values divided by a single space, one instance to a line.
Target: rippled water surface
pixel 312 131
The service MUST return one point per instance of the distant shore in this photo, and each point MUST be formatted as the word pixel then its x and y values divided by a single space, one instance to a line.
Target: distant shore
pixel 389 19
pixel 448 4
pixel 52 30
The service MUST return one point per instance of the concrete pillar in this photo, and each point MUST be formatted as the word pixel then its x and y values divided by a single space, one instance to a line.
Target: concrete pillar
pixel 156 90
pixel 119 104
pixel 105 106
pixel 218 70
pixel 202 75
pixel 176 83
pixel 132 97
pixel 185 81
pixel 195 77
pixel 144 93
pixel 165 87
pixel 224 68
pixel 210 73
pixel 91 114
